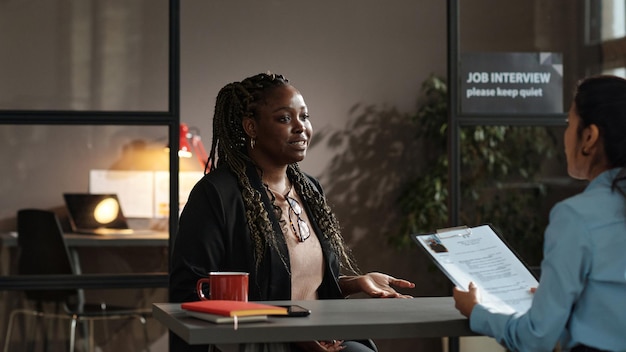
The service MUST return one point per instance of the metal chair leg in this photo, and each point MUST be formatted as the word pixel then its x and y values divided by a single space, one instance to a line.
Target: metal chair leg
pixel 7 337
pixel 91 337
pixel 74 321
pixel 38 325
pixel 144 323
pixel 30 342
pixel 73 333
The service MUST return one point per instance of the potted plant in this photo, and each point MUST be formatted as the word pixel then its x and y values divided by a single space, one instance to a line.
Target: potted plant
pixel 499 179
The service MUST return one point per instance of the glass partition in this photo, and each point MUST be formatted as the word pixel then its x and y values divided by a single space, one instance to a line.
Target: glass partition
pixel 50 160
pixel 508 167
pixel 510 177
pixel 84 55
pixel 590 34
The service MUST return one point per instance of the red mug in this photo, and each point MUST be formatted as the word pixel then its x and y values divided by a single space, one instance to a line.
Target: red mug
pixel 225 285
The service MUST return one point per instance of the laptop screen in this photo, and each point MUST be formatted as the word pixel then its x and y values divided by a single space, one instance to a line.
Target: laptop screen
pixel 94 211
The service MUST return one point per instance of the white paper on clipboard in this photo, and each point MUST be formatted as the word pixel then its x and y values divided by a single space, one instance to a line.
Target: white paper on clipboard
pixel 478 254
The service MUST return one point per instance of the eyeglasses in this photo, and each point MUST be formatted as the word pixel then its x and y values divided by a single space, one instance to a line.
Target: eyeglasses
pixel 303 227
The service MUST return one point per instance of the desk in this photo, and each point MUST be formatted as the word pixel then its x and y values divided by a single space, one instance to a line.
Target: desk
pixel 75 240
pixel 154 282
pixel 141 239
pixel 342 319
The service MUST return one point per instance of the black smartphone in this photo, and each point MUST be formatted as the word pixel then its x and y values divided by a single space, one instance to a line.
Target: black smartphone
pixel 295 311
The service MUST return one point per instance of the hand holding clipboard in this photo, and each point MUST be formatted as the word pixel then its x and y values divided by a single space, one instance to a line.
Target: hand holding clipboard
pixel 479 255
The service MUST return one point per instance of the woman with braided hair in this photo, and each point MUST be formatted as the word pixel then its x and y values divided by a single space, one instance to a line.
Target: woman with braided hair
pixel 257 212
pixel 580 298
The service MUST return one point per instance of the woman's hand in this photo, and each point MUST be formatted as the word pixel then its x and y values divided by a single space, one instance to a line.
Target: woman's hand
pixel 375 285
pixel 321 346
pixel 465 301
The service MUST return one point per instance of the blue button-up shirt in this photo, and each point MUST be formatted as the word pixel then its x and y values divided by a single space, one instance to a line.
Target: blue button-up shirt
pixel 581 298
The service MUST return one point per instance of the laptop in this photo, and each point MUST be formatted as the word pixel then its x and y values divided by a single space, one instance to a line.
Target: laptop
pixel 96 214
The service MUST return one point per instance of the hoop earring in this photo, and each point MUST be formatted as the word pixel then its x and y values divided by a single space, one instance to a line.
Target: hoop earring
pixel 584 152
pixel 252 143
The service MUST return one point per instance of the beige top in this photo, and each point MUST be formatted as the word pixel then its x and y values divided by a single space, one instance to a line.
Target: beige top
pixel 306 258
pixel 307 265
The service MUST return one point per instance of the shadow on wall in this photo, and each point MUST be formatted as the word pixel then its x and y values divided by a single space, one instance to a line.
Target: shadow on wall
pixel 376 154
pixel 377 150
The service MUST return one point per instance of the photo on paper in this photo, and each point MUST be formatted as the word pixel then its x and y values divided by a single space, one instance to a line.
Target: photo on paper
pixel 434 243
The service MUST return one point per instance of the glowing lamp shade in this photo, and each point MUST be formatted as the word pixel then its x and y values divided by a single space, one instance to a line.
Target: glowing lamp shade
pixel 106 211
pixel 184 149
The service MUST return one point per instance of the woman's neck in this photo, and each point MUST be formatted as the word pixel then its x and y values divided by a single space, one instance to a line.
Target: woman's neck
pixel 276 179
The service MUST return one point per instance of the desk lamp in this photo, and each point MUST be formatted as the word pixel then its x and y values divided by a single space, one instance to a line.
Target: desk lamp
pixel 184 149
pixel 196 145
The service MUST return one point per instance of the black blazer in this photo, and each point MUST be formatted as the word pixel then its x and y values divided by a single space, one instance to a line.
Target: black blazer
pixel 213 236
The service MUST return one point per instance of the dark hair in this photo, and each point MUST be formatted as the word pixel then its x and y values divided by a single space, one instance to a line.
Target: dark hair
pixel 239 100
pixel 601 101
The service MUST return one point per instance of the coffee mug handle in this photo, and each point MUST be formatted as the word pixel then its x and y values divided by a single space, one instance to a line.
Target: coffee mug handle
pixel 199 288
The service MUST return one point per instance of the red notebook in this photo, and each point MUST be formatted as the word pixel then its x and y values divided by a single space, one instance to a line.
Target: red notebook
pixel 233 308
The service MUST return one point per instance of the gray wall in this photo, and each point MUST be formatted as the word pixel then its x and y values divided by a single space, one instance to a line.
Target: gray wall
pixel 359 65
pixel 339 54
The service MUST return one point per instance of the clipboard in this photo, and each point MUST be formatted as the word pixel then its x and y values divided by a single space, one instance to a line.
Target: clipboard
pixel 480 254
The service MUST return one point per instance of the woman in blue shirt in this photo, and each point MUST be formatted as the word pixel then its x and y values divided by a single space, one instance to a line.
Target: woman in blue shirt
pixel 581 298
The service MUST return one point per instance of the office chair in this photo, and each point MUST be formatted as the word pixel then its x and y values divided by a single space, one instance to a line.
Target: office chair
pixel 43 252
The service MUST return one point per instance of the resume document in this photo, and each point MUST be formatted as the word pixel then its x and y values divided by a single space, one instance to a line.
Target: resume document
pixel 478 254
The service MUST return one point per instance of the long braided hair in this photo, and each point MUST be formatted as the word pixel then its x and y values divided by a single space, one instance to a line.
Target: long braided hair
pixel 235 102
